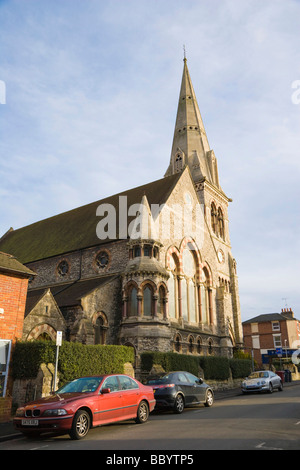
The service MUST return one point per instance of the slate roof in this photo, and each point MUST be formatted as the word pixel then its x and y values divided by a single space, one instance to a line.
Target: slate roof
pixel 76 229
pixel 10 264
pixel 67 295
pixel 268 317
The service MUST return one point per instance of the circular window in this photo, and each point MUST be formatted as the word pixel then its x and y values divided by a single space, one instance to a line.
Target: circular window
pixel 63 268
pixel 102 259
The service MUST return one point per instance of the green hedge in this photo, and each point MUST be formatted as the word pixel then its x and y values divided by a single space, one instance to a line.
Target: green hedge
pixel 75 359
pixel 214 367
pixel 169 361
pixel 240 368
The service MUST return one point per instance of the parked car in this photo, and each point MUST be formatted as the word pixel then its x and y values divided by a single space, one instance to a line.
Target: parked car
pixel 262 381
pixel 177 390
pixel 84 403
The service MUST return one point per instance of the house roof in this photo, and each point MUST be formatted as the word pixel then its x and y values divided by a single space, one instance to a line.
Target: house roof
pixel 69 294
pixel 76 229
pixel 267 317
pixel 10 264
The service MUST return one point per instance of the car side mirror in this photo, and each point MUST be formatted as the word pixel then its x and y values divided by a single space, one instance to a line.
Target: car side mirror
pixel 200 381
pixel 105 390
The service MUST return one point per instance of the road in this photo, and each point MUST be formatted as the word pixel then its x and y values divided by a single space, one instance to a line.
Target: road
pixel 250 422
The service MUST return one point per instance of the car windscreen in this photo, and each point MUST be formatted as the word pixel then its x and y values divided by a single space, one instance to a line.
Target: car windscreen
pixel 258 375
pixel 82 385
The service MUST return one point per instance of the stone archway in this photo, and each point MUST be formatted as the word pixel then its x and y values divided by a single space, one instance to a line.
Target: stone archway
pixel 42 331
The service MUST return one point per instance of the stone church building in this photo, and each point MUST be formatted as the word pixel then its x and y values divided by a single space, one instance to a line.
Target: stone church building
pixel 151 267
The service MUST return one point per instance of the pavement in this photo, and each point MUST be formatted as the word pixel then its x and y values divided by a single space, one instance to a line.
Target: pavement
pixel 8 432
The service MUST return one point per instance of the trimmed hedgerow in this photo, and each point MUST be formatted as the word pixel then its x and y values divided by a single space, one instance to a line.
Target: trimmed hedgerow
pixel 75 359
pixel 240 368
pixel 215 367
pixel 169 361
pixel 28 356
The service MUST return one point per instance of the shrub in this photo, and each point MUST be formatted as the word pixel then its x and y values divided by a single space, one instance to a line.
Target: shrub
pixel 74 360
pixel 240 368
pixel 215 367
pixel 169 361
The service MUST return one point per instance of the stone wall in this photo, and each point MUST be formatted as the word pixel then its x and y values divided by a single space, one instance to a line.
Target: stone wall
pixel 25 390
pixel 5 409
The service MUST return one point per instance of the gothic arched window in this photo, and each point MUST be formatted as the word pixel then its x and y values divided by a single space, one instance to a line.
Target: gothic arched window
pixel 173 287
pixel 100 330
pixel 160 301
pixel 147 302
pixel 189 287
pixel 178 163
pixel 132 302
pixel 205 297
pixel 214 219
pixel 221 232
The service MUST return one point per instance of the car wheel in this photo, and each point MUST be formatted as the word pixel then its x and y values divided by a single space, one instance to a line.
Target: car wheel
pixel 270 388
pixel 209 401
pixel 81 425
pixel 179 404
pixel 142 413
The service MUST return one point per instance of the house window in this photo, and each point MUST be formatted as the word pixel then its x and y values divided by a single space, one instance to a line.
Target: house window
pixel 277 341
pixel 255 342
pixel 275 326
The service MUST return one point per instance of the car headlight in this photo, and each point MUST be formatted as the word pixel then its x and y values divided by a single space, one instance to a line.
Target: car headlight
pixel 263 382
pixel 20 412
pixel 57 412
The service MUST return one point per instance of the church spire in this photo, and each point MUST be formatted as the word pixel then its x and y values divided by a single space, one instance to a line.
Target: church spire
pixel 190 144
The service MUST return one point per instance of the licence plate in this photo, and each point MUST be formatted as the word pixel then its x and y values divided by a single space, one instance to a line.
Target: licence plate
pixel 30 422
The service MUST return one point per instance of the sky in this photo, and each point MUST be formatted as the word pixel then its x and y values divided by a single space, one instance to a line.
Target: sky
pixel 88 98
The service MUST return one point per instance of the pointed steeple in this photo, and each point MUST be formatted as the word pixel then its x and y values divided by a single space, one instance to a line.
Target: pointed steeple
pixel 190 144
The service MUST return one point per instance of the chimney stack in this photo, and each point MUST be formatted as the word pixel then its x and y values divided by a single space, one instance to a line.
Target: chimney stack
pixel 287 312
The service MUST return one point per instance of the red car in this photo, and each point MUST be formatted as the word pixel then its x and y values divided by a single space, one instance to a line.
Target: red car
pixel 84 403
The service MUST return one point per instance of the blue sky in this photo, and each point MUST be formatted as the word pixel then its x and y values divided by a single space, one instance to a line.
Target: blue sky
pixel 91 98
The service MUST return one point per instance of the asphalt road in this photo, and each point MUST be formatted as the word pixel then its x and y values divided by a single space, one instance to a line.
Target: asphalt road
pixel 246 422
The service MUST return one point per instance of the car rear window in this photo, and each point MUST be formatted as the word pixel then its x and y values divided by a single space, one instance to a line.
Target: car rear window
pixel 166 379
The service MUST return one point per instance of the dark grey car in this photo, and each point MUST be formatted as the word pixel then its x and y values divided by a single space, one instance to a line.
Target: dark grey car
pixel 180 389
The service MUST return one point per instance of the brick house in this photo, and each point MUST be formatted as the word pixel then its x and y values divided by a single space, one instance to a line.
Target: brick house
pixel 171 289
pixel 14 278
pixel 272 335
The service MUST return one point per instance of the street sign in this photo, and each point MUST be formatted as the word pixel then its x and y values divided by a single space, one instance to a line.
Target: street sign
pixel 279 352
pixel 58 338
pixel 58 344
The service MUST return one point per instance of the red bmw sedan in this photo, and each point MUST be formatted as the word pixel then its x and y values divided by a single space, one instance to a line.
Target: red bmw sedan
pixel 84 403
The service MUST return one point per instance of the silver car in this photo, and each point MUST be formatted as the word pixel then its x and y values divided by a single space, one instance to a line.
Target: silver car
pixel 262 381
